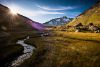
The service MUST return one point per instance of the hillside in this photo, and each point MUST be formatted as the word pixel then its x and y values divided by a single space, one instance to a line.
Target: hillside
pixel 92 15
pixel 12 28
pixel 58 21
pixel 10 22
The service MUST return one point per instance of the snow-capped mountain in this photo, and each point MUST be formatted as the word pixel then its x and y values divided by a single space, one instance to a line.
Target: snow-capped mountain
pixel 58 21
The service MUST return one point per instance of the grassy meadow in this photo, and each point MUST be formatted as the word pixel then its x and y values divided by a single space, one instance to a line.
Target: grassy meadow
pixel 65 49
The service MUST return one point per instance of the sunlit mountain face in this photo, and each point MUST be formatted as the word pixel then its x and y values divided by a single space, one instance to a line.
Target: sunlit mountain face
pixel 44 10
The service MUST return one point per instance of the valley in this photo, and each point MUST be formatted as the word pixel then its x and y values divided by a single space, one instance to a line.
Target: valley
pixel 59 42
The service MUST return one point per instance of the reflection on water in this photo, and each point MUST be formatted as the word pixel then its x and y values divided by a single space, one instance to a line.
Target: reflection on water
pixel 28 50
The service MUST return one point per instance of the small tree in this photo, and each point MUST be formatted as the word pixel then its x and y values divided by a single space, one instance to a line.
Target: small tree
pixel 91 24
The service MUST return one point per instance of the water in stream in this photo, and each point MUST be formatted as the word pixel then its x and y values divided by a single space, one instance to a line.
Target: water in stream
pixel 28 51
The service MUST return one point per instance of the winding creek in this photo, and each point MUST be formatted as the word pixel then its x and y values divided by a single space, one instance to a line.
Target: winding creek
pixel 27 53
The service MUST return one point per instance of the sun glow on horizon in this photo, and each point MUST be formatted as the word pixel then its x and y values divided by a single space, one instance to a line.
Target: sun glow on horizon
pixel 14 10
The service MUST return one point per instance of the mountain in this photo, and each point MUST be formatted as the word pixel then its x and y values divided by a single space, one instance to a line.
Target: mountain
pixel 11 22
pixel 92 15
pixel 58 21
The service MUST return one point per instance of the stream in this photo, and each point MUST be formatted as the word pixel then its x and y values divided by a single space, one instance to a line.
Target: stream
pixel 27 53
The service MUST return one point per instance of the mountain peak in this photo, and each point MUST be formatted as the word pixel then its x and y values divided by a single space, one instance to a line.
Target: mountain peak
pixel 58 21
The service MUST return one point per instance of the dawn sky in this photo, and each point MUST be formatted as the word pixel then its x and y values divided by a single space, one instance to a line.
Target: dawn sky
pixel 44 10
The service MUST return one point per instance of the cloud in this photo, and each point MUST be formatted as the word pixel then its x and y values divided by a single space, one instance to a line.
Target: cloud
pixel 55 9
pixel 39 12
pixel 49 12
pixel 32 12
